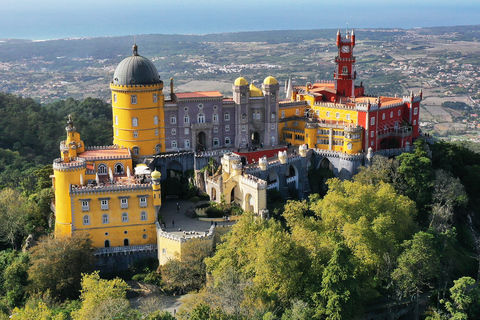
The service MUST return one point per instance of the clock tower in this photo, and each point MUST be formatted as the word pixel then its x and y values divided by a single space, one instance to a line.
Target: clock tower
pixel 345 73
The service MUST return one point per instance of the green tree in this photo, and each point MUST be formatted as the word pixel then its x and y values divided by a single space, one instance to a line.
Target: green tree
pixel 103 299
pixel 417 265
pixel 58 264
pixel 339 296
pixel 39 312
pixel 464 299
pixel 13 211
pixel 13 276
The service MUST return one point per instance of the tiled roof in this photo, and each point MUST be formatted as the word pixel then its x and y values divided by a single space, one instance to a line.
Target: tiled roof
pixel 199 94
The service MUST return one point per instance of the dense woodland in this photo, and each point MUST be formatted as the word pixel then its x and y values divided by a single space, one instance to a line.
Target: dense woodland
pixel 404 232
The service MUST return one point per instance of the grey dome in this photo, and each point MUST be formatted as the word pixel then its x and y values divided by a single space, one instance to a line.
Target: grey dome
pixel 135 70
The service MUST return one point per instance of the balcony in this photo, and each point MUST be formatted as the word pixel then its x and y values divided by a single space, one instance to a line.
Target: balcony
pixel 126 249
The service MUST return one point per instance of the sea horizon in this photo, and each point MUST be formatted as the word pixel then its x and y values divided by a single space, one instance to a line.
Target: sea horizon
pixel 56 19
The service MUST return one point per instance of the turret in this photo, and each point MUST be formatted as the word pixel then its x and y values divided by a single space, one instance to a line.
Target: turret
pixel 262 162
pixel 157 189
pixel 339 37
pixel 302 150
pixel 73 145
pixel 352 38
pixel 282 156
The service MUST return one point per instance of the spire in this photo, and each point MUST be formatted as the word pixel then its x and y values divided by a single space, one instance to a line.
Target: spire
pixel 70 127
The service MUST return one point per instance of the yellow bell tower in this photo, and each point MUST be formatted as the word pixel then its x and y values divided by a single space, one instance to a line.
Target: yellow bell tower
pixel 137 104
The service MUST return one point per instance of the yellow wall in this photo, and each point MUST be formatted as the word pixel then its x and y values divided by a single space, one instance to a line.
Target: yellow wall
pixel 169 249
pixel 144 110
pixel 116 228
pixel 63 212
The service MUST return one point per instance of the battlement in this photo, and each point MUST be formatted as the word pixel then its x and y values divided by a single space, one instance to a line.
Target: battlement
pixel 78 190
pixel 118 87
pixel 338 154
pixel 112 147
pixel 184 236
pixel 253 182
pixel 74 164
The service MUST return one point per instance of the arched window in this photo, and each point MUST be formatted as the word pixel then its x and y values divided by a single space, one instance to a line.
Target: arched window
pixel 348 116
pixel 201 118
pixel 119 168
pixel 215 141
pixel 349 146
pixel 273 97
pixel 173 119
pixel 102 169
pixel 135 122
pixel 186 118
pixel 227 128
pixel 107 243
pixel 135 134
pixel 215 129
pixel 187 144
pixel 297 112
pixel 126 242
pixel 337 115
pixel 156 132
pixel 399 112
pixel 136 151
pixel 226 116
pixel 383 116
pixel 124 217
pixel 174 144
pixel 273 116
pixel 244 116
pixel 174 131
pixel 345 70
pixel 155 120
pixel 283 114
pixel 155 98
pixel 105 218
pixel 86 220
pixel 227 141
pixel 215 117
pixel 143 216
pixel 391 114
pixel 157 148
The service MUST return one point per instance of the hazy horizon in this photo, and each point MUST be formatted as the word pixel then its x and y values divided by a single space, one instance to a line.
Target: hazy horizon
pixel 54 19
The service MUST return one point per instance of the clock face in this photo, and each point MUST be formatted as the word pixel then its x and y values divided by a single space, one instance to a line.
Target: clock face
pixel 345 49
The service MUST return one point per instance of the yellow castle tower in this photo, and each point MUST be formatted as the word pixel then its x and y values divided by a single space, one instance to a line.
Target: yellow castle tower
pixel 137 104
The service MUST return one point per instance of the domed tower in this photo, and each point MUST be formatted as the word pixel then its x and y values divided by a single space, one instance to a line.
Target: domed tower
pixel 270 88
pixel 137 104
pixel 241 97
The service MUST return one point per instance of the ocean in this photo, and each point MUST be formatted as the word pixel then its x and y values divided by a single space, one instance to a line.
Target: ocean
pixel 53 19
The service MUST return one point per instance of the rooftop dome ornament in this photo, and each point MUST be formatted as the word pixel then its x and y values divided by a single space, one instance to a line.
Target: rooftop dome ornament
pixel 135 49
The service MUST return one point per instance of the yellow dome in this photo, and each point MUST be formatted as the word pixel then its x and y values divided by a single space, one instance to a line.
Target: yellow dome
pixel 156 175
pixel 255 92
pixel 241 81
pixel 270 80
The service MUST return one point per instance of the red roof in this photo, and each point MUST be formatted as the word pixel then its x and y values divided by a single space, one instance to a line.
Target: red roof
pixel 101 153
pixel 199 94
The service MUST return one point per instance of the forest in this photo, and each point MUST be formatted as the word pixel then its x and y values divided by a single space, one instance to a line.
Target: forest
pixel 404 234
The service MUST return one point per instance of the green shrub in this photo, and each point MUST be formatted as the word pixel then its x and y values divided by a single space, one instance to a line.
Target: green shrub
pixel 194 199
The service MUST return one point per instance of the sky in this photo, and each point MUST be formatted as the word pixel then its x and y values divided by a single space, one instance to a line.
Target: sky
pixel 53 19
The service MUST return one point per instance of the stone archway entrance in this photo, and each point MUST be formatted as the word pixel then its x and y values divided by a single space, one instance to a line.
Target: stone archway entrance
pixel 255 138
pixel 201 140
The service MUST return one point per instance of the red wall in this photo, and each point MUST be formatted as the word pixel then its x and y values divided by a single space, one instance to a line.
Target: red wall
pixel 255 155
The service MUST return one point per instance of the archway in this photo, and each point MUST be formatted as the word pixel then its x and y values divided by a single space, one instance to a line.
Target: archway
pixel 174 170
pixel 255 138
pixel 126 242
pixel 214 194
pixel 107 243
pixel 249 203
pixel 232 195
pixel 272 181
pixel 384 143
pixel 325 164
pixel 292 175
pixel 201 140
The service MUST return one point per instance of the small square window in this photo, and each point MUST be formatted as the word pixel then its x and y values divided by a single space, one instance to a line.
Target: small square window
pixel 134 99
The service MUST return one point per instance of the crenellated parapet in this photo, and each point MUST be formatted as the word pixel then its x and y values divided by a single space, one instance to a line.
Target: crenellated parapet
pixel 82 190
pixel 74 164
pixel 253 182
